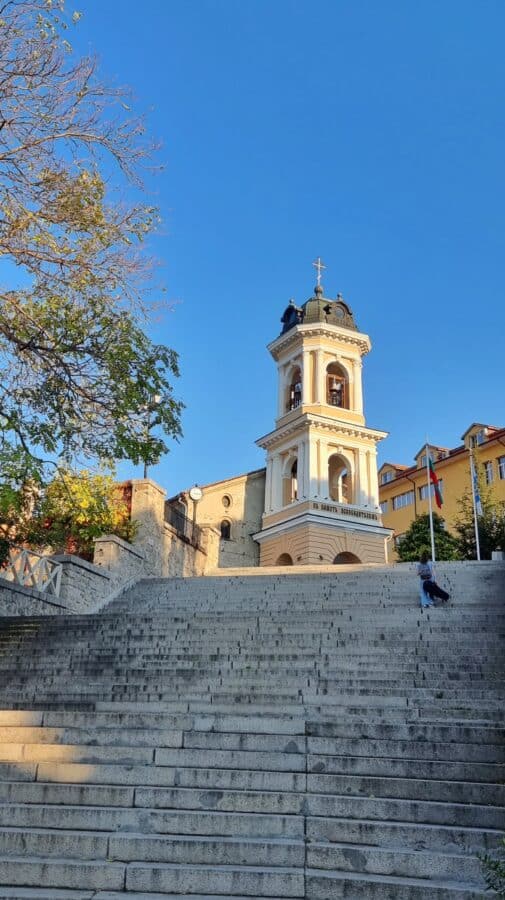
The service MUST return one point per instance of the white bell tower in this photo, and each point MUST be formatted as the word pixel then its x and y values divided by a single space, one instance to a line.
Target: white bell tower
pixel 321 494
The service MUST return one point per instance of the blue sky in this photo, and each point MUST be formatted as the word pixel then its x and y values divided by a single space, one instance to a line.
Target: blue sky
pixel 370 133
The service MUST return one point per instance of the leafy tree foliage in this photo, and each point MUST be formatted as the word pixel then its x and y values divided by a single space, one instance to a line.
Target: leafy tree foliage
pixel 417 539
pixel 71 510
pixel 491 523
pixel 77 370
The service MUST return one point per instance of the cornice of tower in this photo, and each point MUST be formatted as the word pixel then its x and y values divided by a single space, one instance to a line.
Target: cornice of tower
pixel 332 333
pixel 319 423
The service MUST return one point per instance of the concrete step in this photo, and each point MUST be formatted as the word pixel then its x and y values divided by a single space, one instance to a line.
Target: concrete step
pixel 43 873
pixel 407 788
pixel 427 812
pixel 407 863
pixel 404 768
pixel 165 776
pixel 162 821
pixel 336 885
pixel 403 835
pixel 215 851
pixel 250 881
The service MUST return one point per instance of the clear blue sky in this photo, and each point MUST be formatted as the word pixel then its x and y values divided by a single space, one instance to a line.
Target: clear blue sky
pixel 370 133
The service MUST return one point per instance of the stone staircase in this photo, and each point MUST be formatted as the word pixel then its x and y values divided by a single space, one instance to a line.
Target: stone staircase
pixel 275 736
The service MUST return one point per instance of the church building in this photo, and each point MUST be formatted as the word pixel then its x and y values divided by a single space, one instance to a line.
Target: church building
pixel 317 500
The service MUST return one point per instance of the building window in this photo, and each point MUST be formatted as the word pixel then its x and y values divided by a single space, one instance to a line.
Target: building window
pixel 384 506
pixel 226 530
pixel 423 490
pixel 422 461
pixel 478 438
pixel 226 501
pixel 501 466
pixel 386 476
pixel 398 538
pixel 402 500
pixel 488 471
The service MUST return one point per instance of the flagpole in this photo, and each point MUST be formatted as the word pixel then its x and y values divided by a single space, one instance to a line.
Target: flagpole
pixel 473 478
pixel 429 504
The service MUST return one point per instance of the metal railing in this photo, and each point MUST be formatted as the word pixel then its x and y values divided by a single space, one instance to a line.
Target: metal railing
pixel 184 527
pixel 33 570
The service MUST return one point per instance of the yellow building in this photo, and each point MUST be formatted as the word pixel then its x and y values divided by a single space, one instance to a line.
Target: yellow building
pixel 317 501
pixel 403 490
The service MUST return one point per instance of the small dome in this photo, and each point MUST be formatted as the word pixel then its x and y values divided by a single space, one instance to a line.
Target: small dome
pixel 319 309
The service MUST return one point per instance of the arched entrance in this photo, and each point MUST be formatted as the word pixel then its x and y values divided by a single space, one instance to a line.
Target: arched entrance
pixel 346 559
pixel 284 560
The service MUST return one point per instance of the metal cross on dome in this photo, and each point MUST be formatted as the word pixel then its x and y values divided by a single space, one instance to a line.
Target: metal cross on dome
pixel 319 265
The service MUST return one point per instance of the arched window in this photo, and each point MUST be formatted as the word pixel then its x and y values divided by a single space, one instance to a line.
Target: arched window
pixel 294 390
pixel 290 483
pixel 339 480
pixel 226 530
pixel 284 560
pixel 337 386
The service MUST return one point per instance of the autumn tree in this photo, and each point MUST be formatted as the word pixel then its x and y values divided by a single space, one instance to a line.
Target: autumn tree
pixel 73 508
pixel 77 368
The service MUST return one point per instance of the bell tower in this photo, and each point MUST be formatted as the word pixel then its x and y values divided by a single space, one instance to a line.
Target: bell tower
pixel 321 492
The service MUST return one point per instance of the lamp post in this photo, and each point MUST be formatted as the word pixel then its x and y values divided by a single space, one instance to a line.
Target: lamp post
pixel 149 424
pixel 195 494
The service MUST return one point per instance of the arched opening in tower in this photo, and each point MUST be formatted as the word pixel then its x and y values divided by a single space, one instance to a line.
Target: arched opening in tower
pixel 290 484
pixel 337 386
pixel 339 479
pixel 294 397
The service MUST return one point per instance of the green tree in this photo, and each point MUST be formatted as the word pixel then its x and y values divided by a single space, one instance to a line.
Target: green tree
pixel 417 539
pixel 77 369
pixel 491 522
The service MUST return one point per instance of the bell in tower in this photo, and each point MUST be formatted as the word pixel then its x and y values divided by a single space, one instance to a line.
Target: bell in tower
pixel 322 493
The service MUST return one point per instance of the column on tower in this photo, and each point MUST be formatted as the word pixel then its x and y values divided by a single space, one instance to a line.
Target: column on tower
pixel 373 479
pixel 320 377
pixel 364 483
pixel 268 486
pixel 306 377
pixel 276 482
pixel 357 366
pixel 282 391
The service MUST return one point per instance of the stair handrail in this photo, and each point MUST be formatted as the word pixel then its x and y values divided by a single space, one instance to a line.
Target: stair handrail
pixel 33 570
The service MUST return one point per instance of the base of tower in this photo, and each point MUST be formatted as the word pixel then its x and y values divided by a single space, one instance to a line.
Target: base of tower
pixel 312 544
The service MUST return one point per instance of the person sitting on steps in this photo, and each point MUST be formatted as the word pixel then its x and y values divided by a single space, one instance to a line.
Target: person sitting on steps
pixel 429 587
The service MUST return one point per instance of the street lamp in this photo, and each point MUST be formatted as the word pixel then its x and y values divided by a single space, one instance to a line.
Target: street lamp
pixel 195 494
pixel 150 408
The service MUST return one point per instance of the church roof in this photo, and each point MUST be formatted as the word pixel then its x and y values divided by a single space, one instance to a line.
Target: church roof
pixel 319 309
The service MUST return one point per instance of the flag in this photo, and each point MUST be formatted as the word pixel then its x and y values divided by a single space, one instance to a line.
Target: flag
pixel 435 483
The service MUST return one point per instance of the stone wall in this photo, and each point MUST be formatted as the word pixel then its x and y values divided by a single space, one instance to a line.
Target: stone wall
pixel 16 600
pixel 166 553
pixel 85 587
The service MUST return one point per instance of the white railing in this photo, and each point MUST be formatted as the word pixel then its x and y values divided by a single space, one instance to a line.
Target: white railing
pixel 33 570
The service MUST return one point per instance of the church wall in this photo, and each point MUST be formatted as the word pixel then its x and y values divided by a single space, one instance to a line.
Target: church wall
pixel 316 545
pixel 246 497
